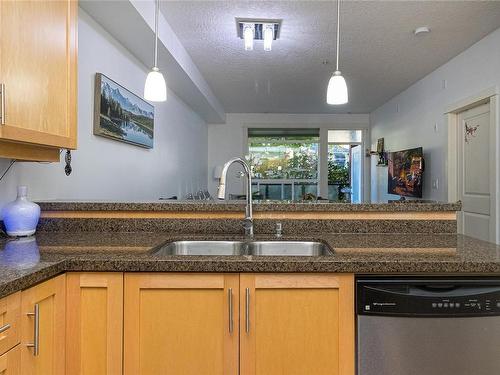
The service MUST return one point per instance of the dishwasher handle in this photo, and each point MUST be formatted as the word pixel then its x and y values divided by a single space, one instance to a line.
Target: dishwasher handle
pixel 433 290
pixel 447 290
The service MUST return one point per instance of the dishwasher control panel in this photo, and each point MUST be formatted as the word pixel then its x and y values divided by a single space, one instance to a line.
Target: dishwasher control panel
pixel 428 297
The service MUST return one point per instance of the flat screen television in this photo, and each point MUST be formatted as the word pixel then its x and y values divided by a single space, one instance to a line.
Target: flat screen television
pixel 406 169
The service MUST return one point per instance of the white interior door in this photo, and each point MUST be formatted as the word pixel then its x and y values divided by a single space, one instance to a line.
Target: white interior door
pixel 475 172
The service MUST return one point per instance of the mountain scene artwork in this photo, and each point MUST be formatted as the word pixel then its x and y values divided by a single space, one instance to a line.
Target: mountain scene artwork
pixel 122 115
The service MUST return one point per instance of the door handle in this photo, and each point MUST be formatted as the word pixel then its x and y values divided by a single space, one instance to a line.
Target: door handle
pixel 247 310
pixel 2 103
pixel 36 331
pixel 230 303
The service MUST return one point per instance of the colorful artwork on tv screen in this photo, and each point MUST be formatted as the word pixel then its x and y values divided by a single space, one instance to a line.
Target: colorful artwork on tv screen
pixel 406 170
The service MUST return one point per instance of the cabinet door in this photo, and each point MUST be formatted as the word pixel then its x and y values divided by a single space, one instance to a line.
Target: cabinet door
pixel 43 328
pixel 181 324
pixel 10 362
pixel 10 316
pixel 38 51
pixel 297 324
pixel 94 323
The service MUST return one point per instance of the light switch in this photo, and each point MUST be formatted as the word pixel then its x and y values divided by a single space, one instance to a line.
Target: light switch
pixel 435 184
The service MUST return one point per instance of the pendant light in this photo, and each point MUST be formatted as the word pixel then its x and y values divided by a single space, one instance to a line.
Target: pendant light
pixel 337 87
pixel 155 89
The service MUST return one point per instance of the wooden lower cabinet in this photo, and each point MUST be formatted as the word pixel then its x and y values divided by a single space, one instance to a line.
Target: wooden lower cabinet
pixel 297 324
pixel 94 323
pixel 10 362
pixel 45 303
pixel 181 324
pixel 10 316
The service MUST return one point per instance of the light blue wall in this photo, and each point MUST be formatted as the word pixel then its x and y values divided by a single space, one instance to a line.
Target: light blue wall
pixel 104 169
pixel 416 116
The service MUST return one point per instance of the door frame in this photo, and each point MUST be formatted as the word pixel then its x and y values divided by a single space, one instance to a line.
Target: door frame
pixel 490 96
pixel 363 163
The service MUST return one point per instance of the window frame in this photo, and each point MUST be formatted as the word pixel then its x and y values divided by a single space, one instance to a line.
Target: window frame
pixel 322 185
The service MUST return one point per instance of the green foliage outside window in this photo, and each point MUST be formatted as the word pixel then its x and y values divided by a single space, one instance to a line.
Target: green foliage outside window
pixel 284 160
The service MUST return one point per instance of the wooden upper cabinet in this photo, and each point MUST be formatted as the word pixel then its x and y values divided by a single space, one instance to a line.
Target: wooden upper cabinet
pixel 43 311
pixel 94 323
pixel 297 324
pixel 38 70
pixel 181 324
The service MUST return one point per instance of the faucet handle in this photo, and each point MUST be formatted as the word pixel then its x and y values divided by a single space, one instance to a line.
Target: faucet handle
pixel 279 229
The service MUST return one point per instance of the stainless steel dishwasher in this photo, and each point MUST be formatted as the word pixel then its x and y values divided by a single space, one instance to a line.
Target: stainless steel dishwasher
pixel 428 326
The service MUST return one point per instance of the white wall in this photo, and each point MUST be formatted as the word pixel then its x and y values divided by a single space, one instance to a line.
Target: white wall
pixel 104 169
pixel 229 140
pixel 416 117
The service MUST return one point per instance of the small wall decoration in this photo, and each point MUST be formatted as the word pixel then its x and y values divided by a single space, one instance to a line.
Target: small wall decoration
pixel 380 145
pixel 382 155
pixel 121 115
pixel 470 132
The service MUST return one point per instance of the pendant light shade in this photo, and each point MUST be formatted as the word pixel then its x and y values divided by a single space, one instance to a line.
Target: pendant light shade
pixel 337 90
pixel 155 88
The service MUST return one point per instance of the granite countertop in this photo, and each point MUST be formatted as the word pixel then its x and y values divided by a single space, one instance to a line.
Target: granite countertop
pixel 259 206
pixel 25 262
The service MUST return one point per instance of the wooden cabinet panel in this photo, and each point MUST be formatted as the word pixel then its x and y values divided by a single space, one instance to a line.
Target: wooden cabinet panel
pixel 180 324
pixel 38 68
pixel 10 362
pixel 10 316
pixel 94 329
pixel 28 152
pixel 297 324
pixel 50 297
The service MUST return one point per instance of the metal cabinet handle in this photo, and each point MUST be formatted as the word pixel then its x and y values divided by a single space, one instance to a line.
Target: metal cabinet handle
pixel 247 310
pixel 2 103
pixel 4 328
pixel 36 332
pixel 230 302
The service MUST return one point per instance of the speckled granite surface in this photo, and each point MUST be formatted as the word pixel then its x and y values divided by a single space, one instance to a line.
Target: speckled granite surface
pixel 231 206
pixel 234 226
pixel 26 262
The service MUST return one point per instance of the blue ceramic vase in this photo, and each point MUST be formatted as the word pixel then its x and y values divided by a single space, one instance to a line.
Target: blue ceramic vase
pixel 21 216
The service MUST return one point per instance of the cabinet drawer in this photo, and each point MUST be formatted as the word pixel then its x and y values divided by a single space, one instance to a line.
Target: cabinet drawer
pixel 10 314
pixel 10 362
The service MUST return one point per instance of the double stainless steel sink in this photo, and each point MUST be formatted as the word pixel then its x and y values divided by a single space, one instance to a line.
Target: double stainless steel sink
pixel 235 248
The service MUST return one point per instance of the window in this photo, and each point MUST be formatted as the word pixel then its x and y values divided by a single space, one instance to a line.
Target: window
pixel 284 163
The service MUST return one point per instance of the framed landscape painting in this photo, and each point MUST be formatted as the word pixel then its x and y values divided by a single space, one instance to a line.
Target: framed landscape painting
pixel 121 115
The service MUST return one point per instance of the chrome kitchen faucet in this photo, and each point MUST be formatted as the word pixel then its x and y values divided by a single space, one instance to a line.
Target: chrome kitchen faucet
pixel 248 222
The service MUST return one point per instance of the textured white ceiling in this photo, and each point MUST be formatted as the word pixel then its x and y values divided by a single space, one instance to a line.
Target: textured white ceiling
pixel 380 56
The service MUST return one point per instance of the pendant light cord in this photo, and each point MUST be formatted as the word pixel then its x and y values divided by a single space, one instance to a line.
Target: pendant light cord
pixel 338 33
pixel 157 11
